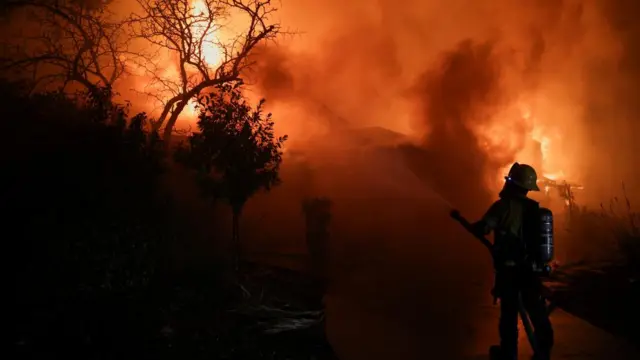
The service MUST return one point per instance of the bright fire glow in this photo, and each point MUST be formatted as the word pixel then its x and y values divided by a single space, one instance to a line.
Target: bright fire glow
pixel 527 138
pixel 191 110
pixel 211 53
pixel 540 134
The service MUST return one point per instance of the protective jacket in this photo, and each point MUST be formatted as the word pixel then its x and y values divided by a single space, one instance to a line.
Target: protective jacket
pixel 513 220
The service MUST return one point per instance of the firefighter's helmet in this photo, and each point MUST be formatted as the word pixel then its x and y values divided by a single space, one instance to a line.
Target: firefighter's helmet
pixel 524 176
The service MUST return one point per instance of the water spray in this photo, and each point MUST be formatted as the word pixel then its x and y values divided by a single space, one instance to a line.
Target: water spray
pixel 444 200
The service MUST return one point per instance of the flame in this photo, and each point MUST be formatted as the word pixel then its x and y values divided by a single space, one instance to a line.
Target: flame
pixel 520 135
pixel 547 147
pixel 211 53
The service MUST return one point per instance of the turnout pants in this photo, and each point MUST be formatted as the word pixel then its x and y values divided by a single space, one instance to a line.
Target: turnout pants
pixel 510 284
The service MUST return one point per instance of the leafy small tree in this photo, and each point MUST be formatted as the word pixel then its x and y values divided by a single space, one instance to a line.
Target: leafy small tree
pixel 235 153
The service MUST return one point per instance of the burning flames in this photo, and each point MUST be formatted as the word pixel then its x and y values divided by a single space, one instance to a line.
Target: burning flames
pixel 211 53
pixel 547 165
pixel 520 132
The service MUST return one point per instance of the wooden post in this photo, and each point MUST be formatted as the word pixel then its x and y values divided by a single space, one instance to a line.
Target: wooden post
pixel 317 213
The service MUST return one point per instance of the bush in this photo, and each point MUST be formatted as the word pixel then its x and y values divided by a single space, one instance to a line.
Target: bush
pixel 90 240
pixel 81 208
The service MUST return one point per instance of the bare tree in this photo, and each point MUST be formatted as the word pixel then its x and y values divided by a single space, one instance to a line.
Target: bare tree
pixel 188 30
pixel 75 41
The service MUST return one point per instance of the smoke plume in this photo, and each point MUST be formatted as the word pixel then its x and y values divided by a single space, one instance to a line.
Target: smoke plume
pixel 477 85
pixel 473 85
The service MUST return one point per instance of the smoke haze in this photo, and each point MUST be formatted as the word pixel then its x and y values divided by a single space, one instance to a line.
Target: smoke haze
pixel 478 84
pixel 471 85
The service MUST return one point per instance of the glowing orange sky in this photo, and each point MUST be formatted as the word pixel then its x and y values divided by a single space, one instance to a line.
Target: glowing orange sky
pixel 359 60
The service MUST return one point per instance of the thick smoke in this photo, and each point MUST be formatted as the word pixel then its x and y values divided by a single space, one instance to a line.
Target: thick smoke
pixel 456 96
pixel 458 76
pixel 614 109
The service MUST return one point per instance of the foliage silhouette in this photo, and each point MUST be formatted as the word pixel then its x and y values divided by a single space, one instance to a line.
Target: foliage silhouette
pixel 236 153
pixel 99 261
pixel 81 197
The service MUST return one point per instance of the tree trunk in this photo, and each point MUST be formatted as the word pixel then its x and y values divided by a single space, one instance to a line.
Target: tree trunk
pixel 156 125
pixel 168 129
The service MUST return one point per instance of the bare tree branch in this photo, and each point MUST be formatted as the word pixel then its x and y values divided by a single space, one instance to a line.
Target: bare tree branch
pixel 76 41
pixel 190 30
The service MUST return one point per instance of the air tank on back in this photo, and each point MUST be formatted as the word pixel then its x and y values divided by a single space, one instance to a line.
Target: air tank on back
pixel 546 236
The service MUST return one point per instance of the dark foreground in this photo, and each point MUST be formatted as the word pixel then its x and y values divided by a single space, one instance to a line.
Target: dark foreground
pixel 104 268
pixel 400 288
pixel 605 295
pixel 413 291
pixel 397 293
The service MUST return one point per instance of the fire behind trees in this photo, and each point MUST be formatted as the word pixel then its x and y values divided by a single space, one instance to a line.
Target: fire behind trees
pixel 79 42
pixel 190 32
pixel 451 83
pixel 99 237
pixel 102 258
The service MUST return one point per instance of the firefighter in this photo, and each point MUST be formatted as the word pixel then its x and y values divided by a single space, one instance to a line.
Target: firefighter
pixel 508 218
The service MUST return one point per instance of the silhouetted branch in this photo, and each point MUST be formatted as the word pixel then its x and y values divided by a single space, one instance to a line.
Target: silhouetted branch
pixel 77 42
pixel 189 31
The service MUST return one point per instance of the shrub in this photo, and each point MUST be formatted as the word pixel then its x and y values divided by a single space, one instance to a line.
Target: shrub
pixel 80 201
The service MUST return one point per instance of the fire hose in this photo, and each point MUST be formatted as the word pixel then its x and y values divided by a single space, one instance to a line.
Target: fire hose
pixel 526 322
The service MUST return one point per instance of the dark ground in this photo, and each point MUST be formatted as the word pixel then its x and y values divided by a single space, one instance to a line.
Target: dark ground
pixel 406 290
pixel 607 296
pixel 103 267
